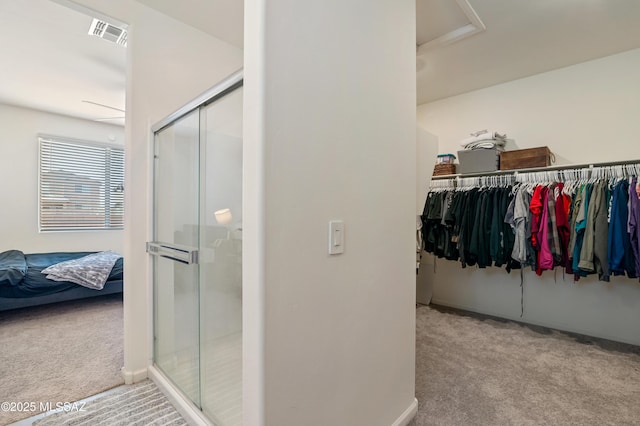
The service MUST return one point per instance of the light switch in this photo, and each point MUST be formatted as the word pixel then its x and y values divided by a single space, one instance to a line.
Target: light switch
pixel 336 237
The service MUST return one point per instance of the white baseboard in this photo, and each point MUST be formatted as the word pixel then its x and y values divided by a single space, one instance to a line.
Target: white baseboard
pixel 408 415
pixel 131 377
pixel 186 408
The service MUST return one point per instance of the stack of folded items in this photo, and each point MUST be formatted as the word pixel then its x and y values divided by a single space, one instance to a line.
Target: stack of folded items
pixel 485 139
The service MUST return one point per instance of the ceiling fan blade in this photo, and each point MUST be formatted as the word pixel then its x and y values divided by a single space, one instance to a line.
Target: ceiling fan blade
pixel 103 105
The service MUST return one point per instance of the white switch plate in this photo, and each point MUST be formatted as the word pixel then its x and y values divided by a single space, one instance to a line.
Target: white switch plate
pixel 336 237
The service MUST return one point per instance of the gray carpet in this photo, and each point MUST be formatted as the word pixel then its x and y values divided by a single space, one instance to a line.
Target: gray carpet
pixel 131 405
pixel 470 370
pixel 61 352
pixel 478 371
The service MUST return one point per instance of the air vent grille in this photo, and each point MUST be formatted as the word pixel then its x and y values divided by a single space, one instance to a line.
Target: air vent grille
pixel 108 32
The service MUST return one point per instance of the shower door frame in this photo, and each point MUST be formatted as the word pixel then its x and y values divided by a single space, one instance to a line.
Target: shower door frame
pixel 185 405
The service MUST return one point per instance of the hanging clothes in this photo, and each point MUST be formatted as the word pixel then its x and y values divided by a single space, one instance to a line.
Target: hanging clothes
pixel 502 235
pixel 536 207
pixel 539 225
pixel 601 231
pixel 620 257
pixel 481 233
pixel 549 242
pixel 523 251
pixel 593 255
pixel 573 219
pixel 544 233
pixel 634 222
pixel 554 239
pixel 562 203
pixel 466 228
pixel 435 229
pixel 469 226
pixel 580 227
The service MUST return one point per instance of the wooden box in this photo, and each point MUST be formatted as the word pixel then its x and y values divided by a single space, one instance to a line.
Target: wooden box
pixel 525 158
pixel 444 169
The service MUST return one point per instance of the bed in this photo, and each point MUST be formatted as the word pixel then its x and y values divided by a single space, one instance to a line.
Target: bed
pixel 67 276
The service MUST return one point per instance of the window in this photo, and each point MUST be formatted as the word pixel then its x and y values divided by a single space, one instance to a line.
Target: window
pixel 81 185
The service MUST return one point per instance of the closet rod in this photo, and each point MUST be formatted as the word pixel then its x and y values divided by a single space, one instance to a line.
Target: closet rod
pixel 537 169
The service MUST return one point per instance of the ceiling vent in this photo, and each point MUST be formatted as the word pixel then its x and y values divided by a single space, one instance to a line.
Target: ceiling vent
pixel 108 32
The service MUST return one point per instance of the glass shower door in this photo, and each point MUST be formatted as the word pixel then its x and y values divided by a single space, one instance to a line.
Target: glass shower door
pixel 175 247
pixel 197 252
pixel 221 260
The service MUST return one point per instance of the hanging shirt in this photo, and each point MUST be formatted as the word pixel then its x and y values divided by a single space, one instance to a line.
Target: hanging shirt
pixel 496 238
pixel 601 230
pixel 522 249
pixel 501 233
pixel 593 256
pixel 634 222
pixel 552 234
pixel 466 228
pixel 576 207
pixel 545 257
pixel 581 224
pixel 449 221
pixel 620 257
pixel 536 214
pixel 562 221
pixel 585 262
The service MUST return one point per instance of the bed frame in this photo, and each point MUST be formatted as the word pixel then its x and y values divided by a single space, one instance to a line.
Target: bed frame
pixel 75 293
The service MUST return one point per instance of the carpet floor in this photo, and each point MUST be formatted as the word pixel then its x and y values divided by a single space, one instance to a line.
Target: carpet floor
pixel 474 370
pixel 470 370
pixel 59 353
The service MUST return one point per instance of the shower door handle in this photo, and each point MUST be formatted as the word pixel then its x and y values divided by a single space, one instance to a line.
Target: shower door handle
pixel 182 254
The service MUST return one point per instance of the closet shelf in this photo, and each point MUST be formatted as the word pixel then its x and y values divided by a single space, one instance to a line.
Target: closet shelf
pixel 537 169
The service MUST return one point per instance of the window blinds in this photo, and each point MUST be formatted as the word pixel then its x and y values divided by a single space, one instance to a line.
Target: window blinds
pixel 81 185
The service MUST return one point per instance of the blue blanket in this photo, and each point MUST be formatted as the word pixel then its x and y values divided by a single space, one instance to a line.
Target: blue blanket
pixel 35 282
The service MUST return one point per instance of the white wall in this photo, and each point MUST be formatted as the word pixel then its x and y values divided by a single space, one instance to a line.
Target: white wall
pixel 584 113
pixel 330 134
pixel 426 154
pixel 169 64
pixel 19 177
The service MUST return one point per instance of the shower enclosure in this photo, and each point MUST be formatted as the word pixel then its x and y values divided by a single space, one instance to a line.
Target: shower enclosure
pixel 197 251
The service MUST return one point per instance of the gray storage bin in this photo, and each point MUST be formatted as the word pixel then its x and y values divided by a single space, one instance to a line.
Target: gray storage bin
pixel 479 160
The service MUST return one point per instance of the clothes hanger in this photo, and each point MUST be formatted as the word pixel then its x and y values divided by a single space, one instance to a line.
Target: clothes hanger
pixel 568 183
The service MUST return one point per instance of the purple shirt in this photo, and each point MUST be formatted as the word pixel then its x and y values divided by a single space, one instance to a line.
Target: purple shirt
pixel 634 221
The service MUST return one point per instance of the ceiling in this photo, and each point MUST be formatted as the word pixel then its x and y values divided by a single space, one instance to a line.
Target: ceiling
pixel 462 45
pixel 223 19
pixel 472 44
pixel 524 38
pixel 51 63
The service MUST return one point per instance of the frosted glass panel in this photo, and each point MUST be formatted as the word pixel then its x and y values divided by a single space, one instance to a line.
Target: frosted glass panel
pixel 176 287
pixel 221 260
pixel 198 301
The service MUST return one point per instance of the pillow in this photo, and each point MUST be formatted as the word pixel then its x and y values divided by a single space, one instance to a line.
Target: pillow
pixel 89 271
pixel 13 267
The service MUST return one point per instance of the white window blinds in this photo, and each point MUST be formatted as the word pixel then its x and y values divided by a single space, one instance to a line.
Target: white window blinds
pixel 81 185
